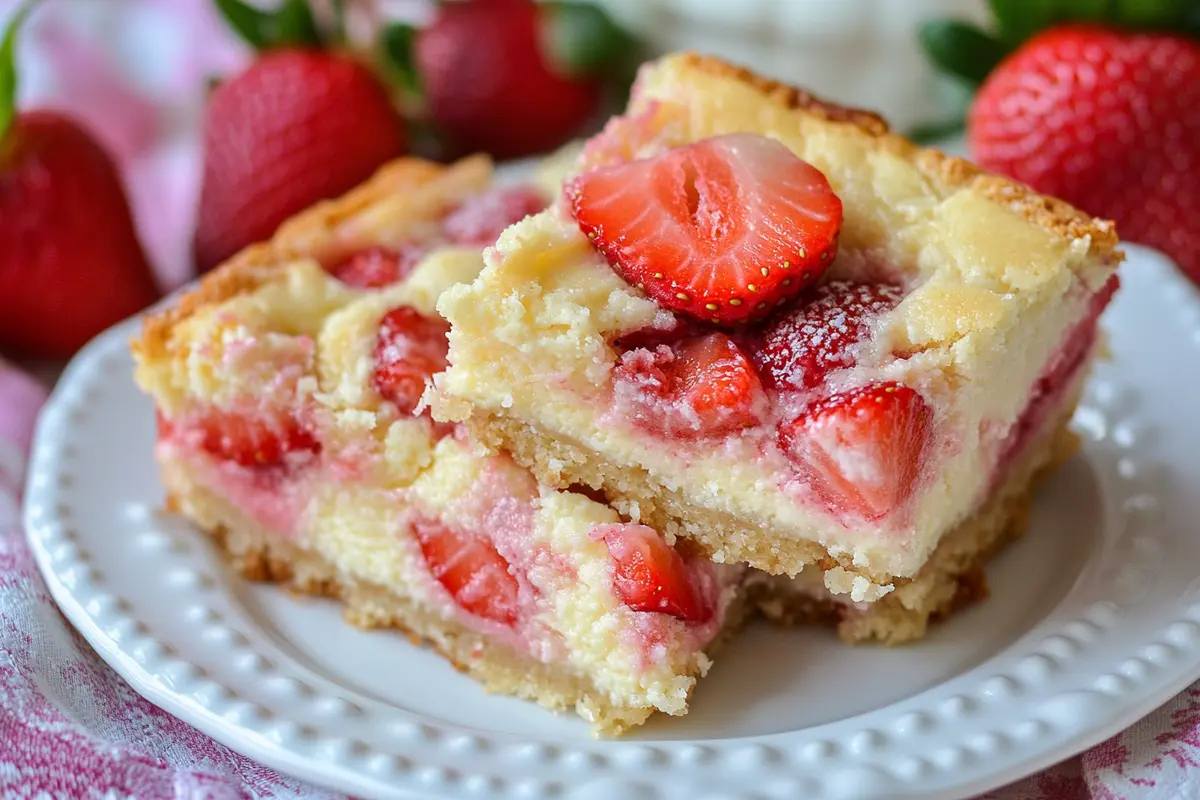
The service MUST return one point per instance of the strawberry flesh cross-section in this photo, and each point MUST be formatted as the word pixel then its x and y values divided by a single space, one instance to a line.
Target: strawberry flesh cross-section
pixel 698 388
pixel 376 267
pixel 409 349
pixel 861 451
pixel 724 230
pixel 471 569
pixel 651 575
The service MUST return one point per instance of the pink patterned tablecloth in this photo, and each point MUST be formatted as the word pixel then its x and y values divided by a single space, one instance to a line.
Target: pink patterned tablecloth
pixel 69 726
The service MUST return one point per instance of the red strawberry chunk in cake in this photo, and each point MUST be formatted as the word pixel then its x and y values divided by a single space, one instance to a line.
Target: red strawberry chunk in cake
pixel 376 267
pixel 479 220
pixel 698 388
pixel 805 344
pixel 253 441
pixel 651 575
pixel 861 451
pixel 471 570
pixel 723 230
pixel 410 348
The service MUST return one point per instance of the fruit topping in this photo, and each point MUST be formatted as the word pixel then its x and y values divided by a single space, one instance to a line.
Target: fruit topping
pixel 699 388
pixel 409 349
pixel 651 575
pixel 809 341
pixel 861 451
pixel 481 219
pixel 724 230
pixel 254 441
pixel 376 267
pixel 471 570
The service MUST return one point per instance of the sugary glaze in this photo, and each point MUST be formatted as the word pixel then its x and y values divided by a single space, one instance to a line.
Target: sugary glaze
pixel 994 281
pixel 275 426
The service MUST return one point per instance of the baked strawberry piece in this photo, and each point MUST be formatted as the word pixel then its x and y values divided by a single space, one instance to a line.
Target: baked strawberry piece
pixel 289 393
pixel 766 325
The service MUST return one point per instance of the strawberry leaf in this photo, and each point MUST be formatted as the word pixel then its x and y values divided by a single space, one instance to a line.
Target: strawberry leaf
pixel 583 41
pixel 961 49
pixel 291 24
pixel 1018 19
pixel 1162 14
pixel 398 40
pixel 8 67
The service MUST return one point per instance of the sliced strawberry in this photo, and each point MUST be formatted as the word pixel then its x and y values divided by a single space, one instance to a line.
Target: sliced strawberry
pixel 650 575
pixel 802 346
pixel 699 388
pixel 861 451
pixel 650 338
pixel 375 267
pixel 481 219
pixel 409 349
pixel 254 441
pixel 473 572
pixel 723 230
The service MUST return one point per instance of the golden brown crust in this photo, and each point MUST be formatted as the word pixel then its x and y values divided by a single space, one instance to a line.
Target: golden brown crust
pixel 1048 213
pixel 300 236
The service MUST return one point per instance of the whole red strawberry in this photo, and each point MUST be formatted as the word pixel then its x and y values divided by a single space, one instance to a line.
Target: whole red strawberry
pixel 1108 120
pixel 300 124
pixel 511 77
pixel 71 264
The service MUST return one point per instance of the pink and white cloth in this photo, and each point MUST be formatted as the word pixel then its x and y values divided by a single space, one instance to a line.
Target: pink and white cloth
pixel 69 726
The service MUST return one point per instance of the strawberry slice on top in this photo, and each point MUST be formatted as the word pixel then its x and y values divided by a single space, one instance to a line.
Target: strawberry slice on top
pixel 651 575
pixel 409 349
pixel 699 388
pixel 861 451
pixel 471 569
pixel 723 230
pixel 808 342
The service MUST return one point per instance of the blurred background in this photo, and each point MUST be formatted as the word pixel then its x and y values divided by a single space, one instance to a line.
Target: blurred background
pixel 1094 101
pixel 136 71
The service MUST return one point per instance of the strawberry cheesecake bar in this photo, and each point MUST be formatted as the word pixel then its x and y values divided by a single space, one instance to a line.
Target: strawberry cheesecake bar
pixel 767 325
pixel 290 427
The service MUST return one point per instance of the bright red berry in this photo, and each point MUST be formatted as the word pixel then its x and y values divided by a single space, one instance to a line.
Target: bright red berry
pixel 489 83
pixel 723 230
pixel 376 267
pixel 71 264
pixel 296 127
pixel 861 451
pixel 699 388
pixel 479 579
pixel 650 575
pixel 1108 120
pixel 801 347
pixel 409 349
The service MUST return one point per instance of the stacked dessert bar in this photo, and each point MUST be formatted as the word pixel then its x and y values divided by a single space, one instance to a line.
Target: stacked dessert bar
pixel 755 353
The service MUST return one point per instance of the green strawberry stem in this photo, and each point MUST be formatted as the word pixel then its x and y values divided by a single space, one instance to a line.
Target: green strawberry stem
pixel 397 41
pixel 583 41
pixel 8 67
pixel 291 24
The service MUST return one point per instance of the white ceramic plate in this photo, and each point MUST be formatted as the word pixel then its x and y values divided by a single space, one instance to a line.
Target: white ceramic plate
pixel 1094 620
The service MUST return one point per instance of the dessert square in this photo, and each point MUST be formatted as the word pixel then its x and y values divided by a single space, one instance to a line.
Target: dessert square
pixel 288 386
pixel 768 325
